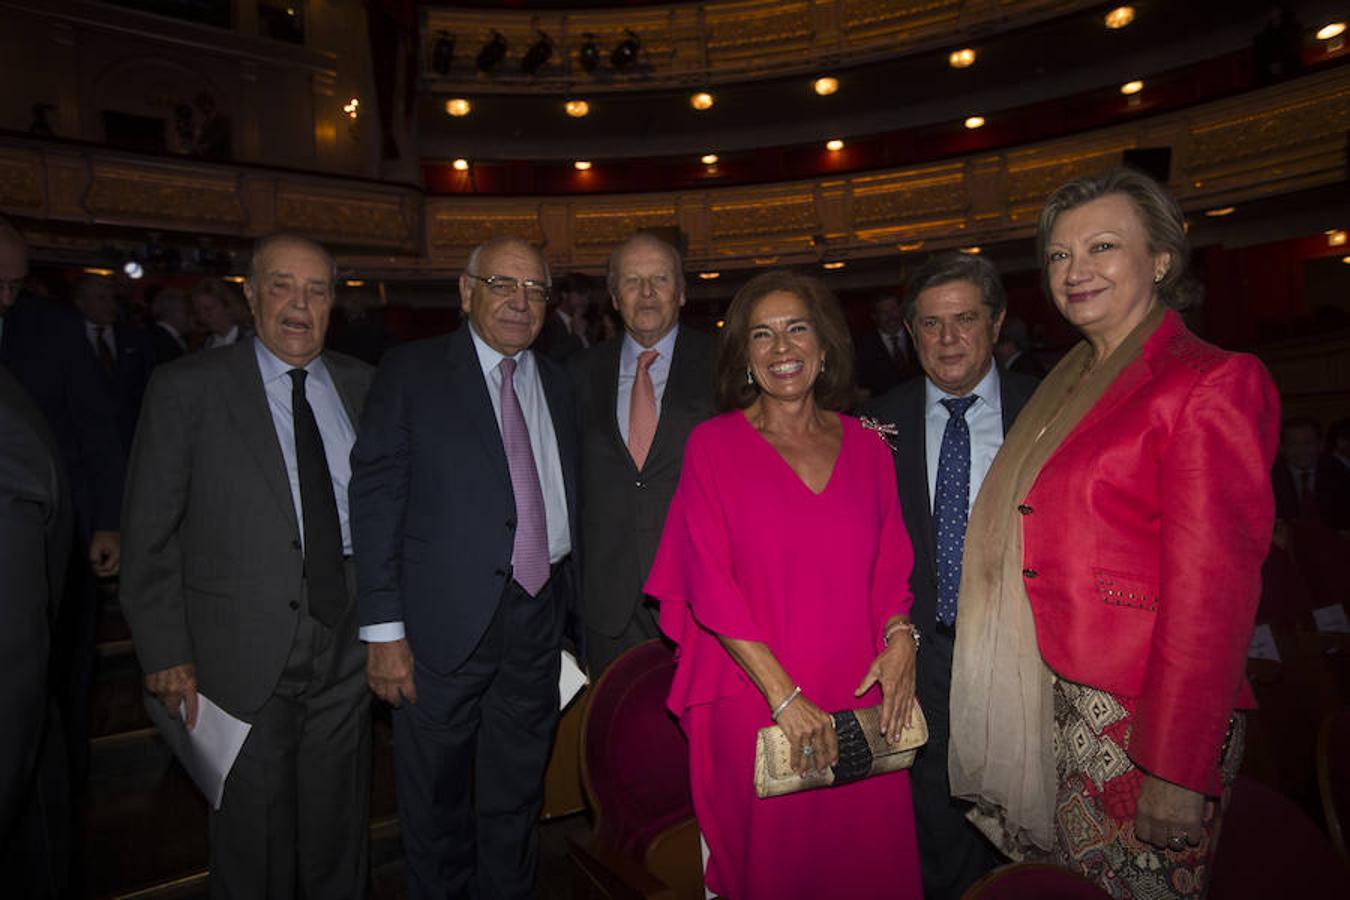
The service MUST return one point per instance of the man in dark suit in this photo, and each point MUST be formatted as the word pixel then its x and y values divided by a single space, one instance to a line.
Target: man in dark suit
pixel 640 395
pixel 234 579
pixel 121 351
pixel 882 354
pixel 563 334
pixel 1013 350
pixel 35 530
pixel 172 318
pixel 464 499
pixel 954 306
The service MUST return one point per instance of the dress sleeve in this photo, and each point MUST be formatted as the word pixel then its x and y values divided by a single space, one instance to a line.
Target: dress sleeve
pixel 1217 515
pixel 694 580
pixel 891 595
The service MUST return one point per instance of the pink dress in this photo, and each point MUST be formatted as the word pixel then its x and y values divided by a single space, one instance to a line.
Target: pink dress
pixel 750 552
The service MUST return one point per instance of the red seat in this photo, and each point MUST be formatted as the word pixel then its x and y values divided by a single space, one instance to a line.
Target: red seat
pixel 635 769
pixel 1033 881
pixel 1333 777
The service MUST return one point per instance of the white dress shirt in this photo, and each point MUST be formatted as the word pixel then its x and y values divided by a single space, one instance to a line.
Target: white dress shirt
pixel 222 340
pixel 173 333
pixel 334 428
pixel 109 339
pixel 659 370
pixel 985 420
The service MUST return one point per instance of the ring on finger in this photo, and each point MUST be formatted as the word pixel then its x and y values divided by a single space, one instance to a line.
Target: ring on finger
pixel 808 750
pixel 1177 842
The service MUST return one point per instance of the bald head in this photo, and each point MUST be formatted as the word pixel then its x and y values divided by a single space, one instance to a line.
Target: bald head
pixel 508 313
pixel 13 265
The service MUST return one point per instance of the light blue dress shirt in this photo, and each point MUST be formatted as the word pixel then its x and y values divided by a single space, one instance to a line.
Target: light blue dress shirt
pixel 334 428
pixel 985 420
pixel 659 370
pixel 543 442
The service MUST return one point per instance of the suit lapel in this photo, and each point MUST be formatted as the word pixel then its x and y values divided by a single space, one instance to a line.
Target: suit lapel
pixel 607 370
pixel 344 388
pixel 249 407
pixel 677 390
pixel 470 389
pixel 563 414
pixel 914 462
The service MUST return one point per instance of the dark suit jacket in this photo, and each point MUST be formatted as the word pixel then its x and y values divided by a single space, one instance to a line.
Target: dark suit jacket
pixel 166 348
pixel 35 523
pixel 904 406
pixel 44 348
pixel 212 565
pixel 556 340
pixel 1331 492
pixel 432 510
pixel 1025 363
pixel 125 384
pixel 874 369
pixel 623 510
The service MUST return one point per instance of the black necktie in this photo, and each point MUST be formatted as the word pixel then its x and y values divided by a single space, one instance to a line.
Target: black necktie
pixel 323 534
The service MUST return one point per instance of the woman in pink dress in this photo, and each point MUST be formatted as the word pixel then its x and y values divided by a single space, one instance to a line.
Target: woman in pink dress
pixel 783 578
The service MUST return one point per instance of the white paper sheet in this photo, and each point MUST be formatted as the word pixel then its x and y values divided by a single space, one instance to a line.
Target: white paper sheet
pixel 1263 644
pixel 1331 619
pixel 570 680
pixel 209 749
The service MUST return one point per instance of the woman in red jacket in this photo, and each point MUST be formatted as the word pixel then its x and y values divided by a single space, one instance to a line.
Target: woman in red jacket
pixel 1112 566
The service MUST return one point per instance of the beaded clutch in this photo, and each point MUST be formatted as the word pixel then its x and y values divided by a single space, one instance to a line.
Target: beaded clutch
pixel 863 752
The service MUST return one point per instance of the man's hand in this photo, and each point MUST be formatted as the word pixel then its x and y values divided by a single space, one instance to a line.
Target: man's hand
pixel 175 687
pixel 105 553
pixel 1168 815
pixel 389 671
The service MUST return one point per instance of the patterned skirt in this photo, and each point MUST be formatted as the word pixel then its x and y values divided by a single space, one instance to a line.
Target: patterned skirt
pixel 1098 789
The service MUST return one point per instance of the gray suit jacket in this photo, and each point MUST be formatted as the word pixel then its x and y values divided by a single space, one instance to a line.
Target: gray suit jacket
pixel 623 510
pixel 212 565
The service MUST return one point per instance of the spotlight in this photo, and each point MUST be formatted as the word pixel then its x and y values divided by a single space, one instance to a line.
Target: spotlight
pixel 826 85
pixel 1119 17
pixel 582 165
pixel 133 269
pixel 710 276
pixel 973 122
pixel 1331 30
pixel 834 146
pixel 832 266
pixel 493 52
pixel 540 52
pixel 1131 87
pixel 460 165
pixel 589 54
pixel 625 55
pixel 972 251
pixel 961 59
pixel 708 159
pixel 701 101
pixel 442 53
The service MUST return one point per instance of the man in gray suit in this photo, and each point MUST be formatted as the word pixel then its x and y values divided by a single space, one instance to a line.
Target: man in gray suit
pixel 950 421
pixel 640 394
pixel 235 580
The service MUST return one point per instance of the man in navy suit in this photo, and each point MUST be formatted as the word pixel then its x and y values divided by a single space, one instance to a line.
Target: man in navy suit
pixel 463 500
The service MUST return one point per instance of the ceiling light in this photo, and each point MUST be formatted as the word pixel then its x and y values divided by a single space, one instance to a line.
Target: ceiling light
pixel 1335 238
pixel 909 247
pixel 765 260
pixel 1344 259
pixel 460 165
pixel 834 146
pixel 709 276
pixel 458 106
pixel 1221 211
pixel 235 279
pixel 701 101
pixel 826 86
pixel 582 165
pixel 354 282
pixel 577 109
pixel 102 273
pixel 722 323
pixel 837 264
pixel 535 58
pixel 708 159
pixel 625 55
pixel 1330 30
pixel 133 270
pixel 352 108
pixel 975 122
pixel 1119 17
pixel 961 59
pixel 975 250
pixel 493 52
pixel 1131 87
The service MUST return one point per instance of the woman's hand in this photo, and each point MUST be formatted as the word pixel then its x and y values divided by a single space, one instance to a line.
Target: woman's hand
pixel 806 725
pixel 894 671
pixel 1168 815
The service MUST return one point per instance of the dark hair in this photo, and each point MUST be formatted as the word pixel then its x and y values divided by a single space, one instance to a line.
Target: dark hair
pixel 942 268
pixel 1159 212
pixel 833 389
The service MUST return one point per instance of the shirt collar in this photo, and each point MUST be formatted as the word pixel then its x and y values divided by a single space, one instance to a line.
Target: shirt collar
pixel 628 354
pixel 272 367
pixel 987 390
pixel 489 359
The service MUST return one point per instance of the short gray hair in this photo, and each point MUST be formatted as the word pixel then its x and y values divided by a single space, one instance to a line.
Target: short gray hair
pixel 266 243
pixel 643 237
pixel 1161 215
pixel 494 243
pixel 942 268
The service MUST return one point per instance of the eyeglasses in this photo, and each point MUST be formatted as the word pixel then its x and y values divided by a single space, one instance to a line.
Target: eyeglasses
pixel 504 287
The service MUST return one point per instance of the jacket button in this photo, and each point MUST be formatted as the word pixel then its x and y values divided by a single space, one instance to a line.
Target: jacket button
pixel 1029 573
pixel 638 483
pixel 1024 509
pixel 294 604
pixel 511 524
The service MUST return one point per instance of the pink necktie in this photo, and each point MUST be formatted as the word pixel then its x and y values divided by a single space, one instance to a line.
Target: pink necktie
pixel 529 554
pixel 642 410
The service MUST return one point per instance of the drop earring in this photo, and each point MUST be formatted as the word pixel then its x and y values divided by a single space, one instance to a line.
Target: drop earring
pixel 749 378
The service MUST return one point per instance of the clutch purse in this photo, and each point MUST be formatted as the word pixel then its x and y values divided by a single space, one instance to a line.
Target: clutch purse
pixel 863 752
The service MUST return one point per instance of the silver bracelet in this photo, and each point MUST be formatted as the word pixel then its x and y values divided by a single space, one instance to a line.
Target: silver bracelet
pixel 901 626
pixel 778 710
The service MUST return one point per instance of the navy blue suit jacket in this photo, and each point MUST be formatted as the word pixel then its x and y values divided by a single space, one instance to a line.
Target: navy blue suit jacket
pixel 432 510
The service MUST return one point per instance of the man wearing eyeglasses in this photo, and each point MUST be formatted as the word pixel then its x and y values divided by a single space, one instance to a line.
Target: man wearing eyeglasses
pixel 463 500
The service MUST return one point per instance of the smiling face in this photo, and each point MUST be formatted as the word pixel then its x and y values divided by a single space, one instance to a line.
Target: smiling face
pixel 1100 269
pixel 785 350
pixel 954 335
pixel 508 322
pixel 291 295
pixel 647 290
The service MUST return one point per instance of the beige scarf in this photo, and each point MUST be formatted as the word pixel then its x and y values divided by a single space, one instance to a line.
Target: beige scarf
pixel 1002 709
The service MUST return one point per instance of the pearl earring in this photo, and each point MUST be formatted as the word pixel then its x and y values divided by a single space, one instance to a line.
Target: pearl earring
pixel 749 378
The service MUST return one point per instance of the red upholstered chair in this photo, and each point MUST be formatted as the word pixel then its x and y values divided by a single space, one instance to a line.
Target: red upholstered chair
pixel 1333 777
pixel 1268 847
pixel 1033 881
pixel 635 770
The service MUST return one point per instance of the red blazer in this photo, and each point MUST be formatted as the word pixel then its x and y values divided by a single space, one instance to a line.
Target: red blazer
pixel 1144 536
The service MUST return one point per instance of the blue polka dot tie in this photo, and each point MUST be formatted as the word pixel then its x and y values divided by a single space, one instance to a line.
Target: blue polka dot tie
pixel 951 503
